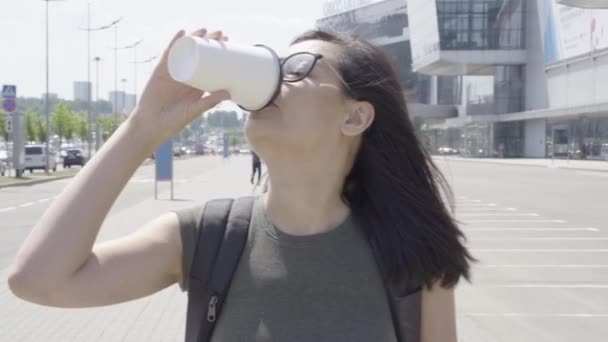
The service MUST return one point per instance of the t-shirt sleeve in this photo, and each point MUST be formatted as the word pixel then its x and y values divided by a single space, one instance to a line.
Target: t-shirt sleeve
pixel 189 220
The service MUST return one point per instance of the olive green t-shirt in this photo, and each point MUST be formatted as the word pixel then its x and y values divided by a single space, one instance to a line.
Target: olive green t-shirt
pixel 321 287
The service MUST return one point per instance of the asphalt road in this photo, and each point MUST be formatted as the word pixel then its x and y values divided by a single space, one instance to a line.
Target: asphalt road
pixel 540 234
pixel 20 207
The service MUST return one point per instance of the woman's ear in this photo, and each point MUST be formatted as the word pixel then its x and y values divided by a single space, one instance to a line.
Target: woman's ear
pixel 358 119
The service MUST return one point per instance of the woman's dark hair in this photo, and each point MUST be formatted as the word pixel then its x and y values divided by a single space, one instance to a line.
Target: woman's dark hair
pixel 394 189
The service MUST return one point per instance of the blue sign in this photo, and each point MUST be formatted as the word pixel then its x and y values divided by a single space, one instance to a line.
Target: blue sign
pixel 164 161
pixel 226 151
pixel 9 105
pixel 9 91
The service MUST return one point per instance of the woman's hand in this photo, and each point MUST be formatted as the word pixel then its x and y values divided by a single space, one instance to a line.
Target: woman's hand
pixel 167 106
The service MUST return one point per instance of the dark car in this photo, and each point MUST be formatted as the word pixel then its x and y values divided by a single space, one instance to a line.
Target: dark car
pixel 73 157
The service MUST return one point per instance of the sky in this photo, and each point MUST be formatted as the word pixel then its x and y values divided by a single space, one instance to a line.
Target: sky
pixel 22 57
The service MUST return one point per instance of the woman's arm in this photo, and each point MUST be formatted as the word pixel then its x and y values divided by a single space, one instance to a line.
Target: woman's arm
pixel 438 321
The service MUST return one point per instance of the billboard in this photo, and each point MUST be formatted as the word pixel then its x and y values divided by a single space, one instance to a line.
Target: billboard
pixel 424 30
pixel 572 31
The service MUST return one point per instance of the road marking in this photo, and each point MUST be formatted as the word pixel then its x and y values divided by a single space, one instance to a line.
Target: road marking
pixel 24 205
pixel 539 250
pixel 546 286
pixel 542 266
pixel 531 229
pixel 498 214
pixel 591 173
pixel 44 200
pixel 539 315
pixel 7 209
pixel 540 239
pixel 485 209
pixel 516 221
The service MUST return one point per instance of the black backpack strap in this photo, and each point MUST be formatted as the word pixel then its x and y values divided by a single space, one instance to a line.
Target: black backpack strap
pixel 222 236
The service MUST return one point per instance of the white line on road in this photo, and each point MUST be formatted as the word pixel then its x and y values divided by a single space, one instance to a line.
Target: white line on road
pixel 541 239
pixel 498 214
pixel 541 266
pixel 7 209
pixel 476 205
pixel 485 209
pixel 538 250
pixel 591 173
pixel 24 205
pixel 546 286
pixel 516 221
pixel 531 229
pixel 538 315
pixel 44 200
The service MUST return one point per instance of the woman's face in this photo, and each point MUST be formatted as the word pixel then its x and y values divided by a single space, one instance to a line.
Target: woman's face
pixel 308 114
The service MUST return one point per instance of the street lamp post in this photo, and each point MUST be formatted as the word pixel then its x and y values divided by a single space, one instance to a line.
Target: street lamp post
pixel 90 29
pixel 124 93
pixel 46 100
pixel 135 63
pixel 97 60
pixel 116 48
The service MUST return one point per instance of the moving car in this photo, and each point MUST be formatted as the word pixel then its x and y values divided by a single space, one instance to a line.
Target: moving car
pixel 73 157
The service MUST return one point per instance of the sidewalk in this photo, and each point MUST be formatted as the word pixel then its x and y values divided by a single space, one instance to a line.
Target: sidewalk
pixel 160 317
pixel 586 165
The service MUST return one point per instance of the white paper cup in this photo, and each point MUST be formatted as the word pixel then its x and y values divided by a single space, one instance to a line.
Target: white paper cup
pixel 251 74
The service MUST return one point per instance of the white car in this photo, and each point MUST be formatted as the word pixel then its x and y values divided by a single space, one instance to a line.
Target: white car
pixel 3 162
pixel 35 158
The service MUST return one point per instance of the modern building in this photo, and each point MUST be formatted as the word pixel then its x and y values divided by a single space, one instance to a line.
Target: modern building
pixel 122 102
pixel 82 91
pixel 510 78
pixel 386 25
pixel 540 66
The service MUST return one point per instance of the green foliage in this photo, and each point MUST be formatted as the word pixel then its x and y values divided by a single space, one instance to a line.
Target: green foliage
pixel 63 121
pixel 81 126
pixel 3 128
pixel 31 128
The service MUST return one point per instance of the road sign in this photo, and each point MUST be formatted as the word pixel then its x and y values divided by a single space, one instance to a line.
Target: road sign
pixel 9 104
pixel 9 91
pixel 164 165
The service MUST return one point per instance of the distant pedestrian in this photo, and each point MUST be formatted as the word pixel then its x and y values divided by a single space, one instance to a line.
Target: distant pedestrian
pixel 256 167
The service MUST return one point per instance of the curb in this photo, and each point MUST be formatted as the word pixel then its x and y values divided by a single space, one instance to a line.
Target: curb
pixel 34 182
pixel 466 160
pixel 52 179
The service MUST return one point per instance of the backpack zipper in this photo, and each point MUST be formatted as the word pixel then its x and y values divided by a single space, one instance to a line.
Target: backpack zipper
pixel 211 315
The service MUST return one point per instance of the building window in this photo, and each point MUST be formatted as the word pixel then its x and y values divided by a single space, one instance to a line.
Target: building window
pixel 481 24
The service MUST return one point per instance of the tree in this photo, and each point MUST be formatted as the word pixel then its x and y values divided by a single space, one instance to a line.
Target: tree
pixel 82 129
pixel 62 121
pixel 224 119
pixel 40 127
pixel 109 125
pixel 31 129
pixel 3 128
pixel 233 140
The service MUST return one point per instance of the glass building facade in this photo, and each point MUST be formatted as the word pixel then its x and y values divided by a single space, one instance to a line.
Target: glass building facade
pixel 481 24
pixel 388 20
pixel 580 138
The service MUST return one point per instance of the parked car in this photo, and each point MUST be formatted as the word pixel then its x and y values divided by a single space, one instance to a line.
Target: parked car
pixel 3 162
pixel 447 150
pixel 73 157
pixel 35 158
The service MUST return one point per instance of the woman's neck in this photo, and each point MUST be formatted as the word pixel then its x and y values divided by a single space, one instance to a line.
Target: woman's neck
pixel 306 200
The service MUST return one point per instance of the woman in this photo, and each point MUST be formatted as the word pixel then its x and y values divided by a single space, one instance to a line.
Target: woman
pixel 346 174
